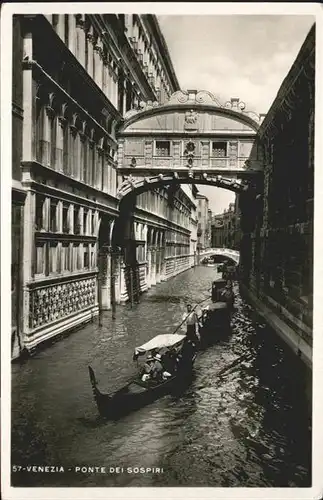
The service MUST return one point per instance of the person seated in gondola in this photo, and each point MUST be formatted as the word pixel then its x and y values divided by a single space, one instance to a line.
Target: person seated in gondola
pixel 157 368
pixel 146 371
pixel 169 361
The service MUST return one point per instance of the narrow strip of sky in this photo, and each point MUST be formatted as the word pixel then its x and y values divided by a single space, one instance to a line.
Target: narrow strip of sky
pixel 245 56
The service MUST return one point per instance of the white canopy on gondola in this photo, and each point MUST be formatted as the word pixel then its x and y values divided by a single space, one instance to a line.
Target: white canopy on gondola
pixel 165 340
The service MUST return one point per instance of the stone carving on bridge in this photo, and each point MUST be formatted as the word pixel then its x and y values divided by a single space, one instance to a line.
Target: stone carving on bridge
pixel 195 97
pixel 189 153
pixel 191 120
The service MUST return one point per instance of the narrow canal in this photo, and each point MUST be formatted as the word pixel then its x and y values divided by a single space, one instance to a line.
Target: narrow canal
pixel 242 422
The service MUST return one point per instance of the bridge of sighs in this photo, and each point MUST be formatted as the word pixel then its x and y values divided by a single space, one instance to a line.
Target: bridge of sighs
pixel 192 138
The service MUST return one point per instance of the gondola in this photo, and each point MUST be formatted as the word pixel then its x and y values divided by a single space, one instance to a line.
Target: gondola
pixel 138 393
pixel 216 317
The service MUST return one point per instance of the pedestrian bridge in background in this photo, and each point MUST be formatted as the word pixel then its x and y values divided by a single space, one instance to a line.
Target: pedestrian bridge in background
pixel 223 252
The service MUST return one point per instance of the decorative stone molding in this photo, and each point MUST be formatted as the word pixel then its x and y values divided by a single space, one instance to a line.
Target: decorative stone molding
pixel 50 111
pixel 62 121
pixel 73 129
pixel 90 37
pixel 194 97
pixel 80 22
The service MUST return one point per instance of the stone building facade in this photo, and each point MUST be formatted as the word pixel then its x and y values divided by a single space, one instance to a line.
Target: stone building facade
pixel 74 79
pixel 225 229
pixel 203 222
pixel 277 243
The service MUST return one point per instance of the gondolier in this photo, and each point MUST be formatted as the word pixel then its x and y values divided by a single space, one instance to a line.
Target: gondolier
pixel 192 324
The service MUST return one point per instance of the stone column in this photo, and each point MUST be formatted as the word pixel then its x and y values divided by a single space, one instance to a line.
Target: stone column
pixel 60 27
pixel 105 279
pixel 71 219
pixel 72 33
pixel 153 265
pixel 81 216
pixel 158 262
pixel 28 253
pixel 81 40
pixel 109 82
pixel 29 97
pixel 90 38
pixel 60 144
pixel 123 288
pixel 124 84
pixel 98 63
pixel 149 264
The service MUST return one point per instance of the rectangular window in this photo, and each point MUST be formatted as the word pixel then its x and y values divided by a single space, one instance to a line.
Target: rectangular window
pixel 79 258
pixel 66 169
pixel 76 260
pixel 219 149
pixel 92 228
pixel 84 147
pixel 65 219
pixel 93 165
pixel 106 174
pixel 93 256
pixel 76 221
pixel 99 170
pixel 39 130
pixel 39 216
pixel 53 132
pixel 40 258
pixel 53 257
pixel 86 259
pixel 65 257
pixel 85 222
pixel 162 148
pixel 53 216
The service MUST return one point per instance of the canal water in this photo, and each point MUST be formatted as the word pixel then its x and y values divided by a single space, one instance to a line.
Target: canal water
pixel 243 422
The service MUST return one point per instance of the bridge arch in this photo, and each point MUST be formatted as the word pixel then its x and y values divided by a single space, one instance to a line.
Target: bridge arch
pixel 227 253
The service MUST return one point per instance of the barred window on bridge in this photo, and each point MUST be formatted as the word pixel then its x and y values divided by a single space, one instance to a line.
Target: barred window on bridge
pixel 219 149
pixel 162 148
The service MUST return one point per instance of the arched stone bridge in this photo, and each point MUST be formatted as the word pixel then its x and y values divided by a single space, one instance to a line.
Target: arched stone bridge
pixel 138 185
pixel 190 139
pixel 223 252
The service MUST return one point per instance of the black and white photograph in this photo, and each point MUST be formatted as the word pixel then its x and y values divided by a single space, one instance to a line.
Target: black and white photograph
pixel 159 259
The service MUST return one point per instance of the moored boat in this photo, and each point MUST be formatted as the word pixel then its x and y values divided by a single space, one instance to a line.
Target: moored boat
pixel 216 316
pixel 140 390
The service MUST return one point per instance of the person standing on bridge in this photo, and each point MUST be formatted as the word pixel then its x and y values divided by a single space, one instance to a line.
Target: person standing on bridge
pixel 191 321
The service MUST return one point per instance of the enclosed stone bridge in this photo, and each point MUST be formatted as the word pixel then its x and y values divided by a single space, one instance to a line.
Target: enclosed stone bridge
pixel 223 252
pixel 191 139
